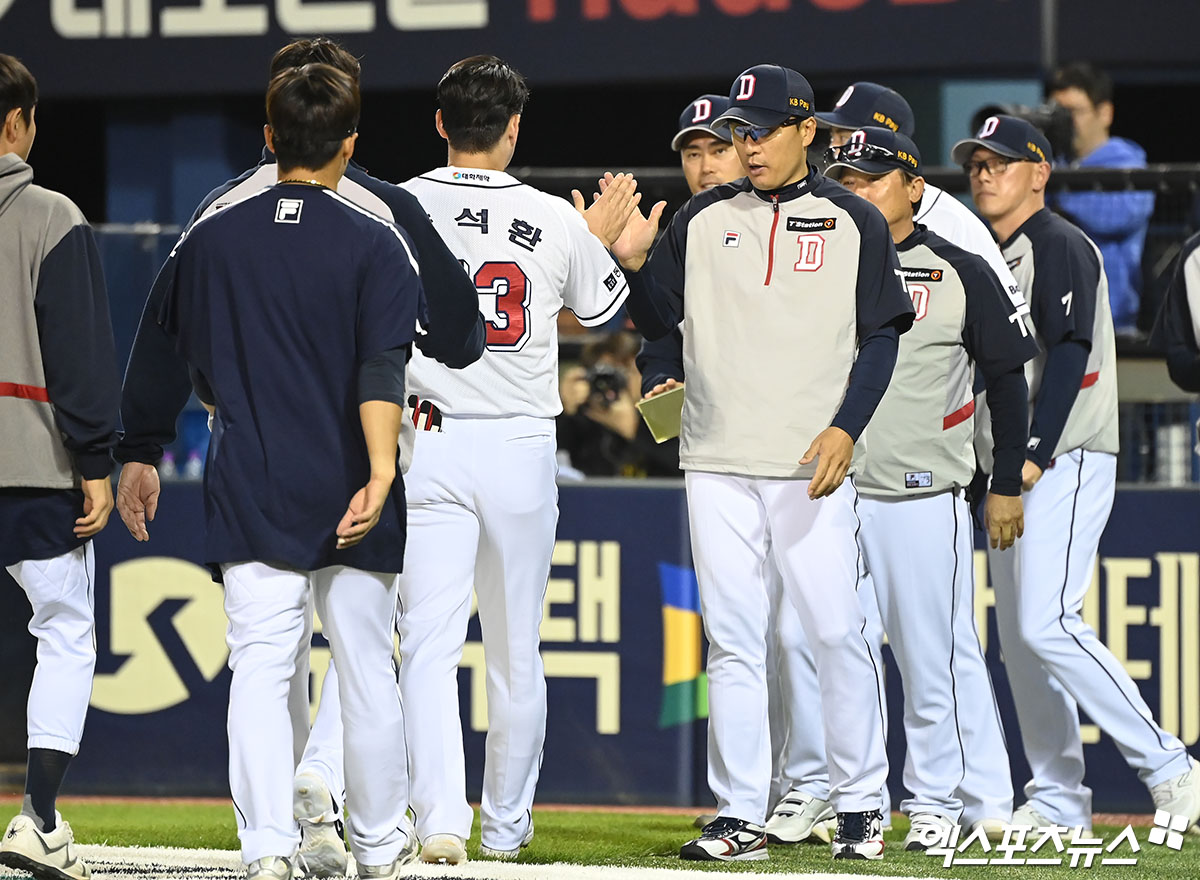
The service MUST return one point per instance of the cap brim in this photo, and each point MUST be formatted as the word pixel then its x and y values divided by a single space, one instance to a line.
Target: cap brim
pixel 834 119
pixel 751 116
pixel 873 168
pixel 962 151
pixel 721 133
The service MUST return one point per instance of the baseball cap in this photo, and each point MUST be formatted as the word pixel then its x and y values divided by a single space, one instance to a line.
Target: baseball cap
pixel 767 95
pixel 868 103
pixel 699 116
pixel 1007 136
pixel 875 150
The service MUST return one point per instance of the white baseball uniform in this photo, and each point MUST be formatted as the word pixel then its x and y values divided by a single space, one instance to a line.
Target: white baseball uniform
pixel 1056 664
pixel 482 500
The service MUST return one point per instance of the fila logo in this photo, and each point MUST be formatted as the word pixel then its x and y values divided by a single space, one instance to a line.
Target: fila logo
pixel 746 83
pixel 732 239
pixel 845 97
pixel 288 210
pixel 989 127
pixel 703 108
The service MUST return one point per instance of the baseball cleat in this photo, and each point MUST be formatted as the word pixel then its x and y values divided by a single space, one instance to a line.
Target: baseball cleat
pixel 801 816
pixel 47 855
pixel 726 839
pixel 322 843
pixel 269 868
pixel 859 836
pixel 443 849
pixel 1180 796
pixel 508 855
pixel 927 829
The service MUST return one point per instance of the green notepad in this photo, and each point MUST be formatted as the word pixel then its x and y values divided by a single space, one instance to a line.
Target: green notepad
pixel 663 413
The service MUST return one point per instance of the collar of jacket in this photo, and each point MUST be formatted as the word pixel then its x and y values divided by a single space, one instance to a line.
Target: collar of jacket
pixel 792 190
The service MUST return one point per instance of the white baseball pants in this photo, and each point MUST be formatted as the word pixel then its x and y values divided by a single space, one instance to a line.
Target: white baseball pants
pixel 919 553
pixel 482 511
pixel 60 590
pixel 1056 664
pixel 269 615
pixel 735 523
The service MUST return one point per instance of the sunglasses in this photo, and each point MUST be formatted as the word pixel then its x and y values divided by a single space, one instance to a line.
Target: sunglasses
pixel 852 151
pixel 758 133
pixel 993 166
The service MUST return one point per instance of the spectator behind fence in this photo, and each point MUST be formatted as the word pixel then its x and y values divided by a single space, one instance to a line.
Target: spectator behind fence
pixel 1115 221
pixel 600 431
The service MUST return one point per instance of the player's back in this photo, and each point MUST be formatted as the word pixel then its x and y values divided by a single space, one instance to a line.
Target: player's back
pixel 276 300
pixel 529 254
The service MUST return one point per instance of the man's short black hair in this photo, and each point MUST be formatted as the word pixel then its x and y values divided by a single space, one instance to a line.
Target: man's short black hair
pixel 1096 84
pixel 477 97
pixel 18 88
pixel 318 50
pixel 311 110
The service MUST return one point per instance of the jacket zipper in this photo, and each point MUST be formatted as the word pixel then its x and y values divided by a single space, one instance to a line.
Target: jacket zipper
pixel 771 245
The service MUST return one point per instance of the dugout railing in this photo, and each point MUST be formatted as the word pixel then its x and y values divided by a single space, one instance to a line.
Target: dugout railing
pixel 1158 421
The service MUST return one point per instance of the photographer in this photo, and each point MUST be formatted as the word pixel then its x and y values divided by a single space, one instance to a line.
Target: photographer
pixel 600 430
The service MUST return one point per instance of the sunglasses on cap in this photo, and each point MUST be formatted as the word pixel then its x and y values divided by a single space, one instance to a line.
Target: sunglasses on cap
pixel 758 133
pixel 852 151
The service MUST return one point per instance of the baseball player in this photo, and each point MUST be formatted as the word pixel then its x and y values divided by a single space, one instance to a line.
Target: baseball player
pixel 1178 324
pixel 917 458
pixel 59 393
pixel 780 276
pixel 1056 664
pixel 307 418
pixel 702 149
pixel 986 795
pixel 483 505
pixel 157 387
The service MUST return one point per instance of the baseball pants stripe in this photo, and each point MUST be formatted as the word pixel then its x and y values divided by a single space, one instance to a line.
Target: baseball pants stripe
pixel 60 591
pixel 1054 659
pixel 267 607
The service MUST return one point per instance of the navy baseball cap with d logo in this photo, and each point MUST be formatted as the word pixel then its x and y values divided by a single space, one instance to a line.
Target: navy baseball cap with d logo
pixel 870 104
pixel 1007 136
pixel 875 150
pixel 698 116
pixel 767 95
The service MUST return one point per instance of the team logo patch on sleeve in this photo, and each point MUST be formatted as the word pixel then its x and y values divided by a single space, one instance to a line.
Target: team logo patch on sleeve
pixel 613 278
pixel 921 274
pixel 811 224
pixel 732 239
pixel 288 210
pixel 918 480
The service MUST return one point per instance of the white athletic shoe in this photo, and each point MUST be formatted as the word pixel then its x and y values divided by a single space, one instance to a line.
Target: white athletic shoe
pixel 270 868
pixel 926 830
pixel 726 839
pixel 1180 796
pixel 508 855
pixel 859 836
pixel 47 855
pixel 444 849
pixel 322 841
pixel 801 816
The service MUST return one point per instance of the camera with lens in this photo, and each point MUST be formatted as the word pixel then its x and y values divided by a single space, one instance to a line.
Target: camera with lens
pixel 1051 119
pixel 605 384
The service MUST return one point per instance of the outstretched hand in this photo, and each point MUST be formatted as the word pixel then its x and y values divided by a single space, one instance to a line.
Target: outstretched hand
pixel 610 208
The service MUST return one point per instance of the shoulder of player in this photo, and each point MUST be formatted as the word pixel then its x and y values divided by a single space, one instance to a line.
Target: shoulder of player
pixel 968 266
pixel 404 206
pixel 58 211
pixel 1190 249
pixel 249 182
pixel 1052 237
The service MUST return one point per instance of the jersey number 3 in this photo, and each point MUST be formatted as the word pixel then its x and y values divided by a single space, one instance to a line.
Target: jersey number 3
pixel 504 295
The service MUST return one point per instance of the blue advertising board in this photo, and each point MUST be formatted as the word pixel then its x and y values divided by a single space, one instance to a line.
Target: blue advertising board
pixel 622 646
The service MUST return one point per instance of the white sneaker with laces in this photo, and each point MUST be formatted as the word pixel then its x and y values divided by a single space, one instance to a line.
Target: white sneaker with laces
pixel 270 868
pixel 443 849
pixel 859 836
pixel 322 842
pixel 726 839
pixel 47 855
pixel 799 816
pixel 926 830
pixel 1180 796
